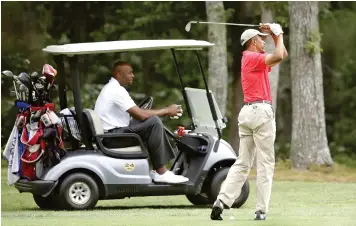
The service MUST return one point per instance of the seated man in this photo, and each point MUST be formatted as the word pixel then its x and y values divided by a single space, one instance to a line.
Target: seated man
pixel 114 107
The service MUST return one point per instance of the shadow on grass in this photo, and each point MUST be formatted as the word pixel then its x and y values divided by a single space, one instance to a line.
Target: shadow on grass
pixel 152 207
pixel 134 207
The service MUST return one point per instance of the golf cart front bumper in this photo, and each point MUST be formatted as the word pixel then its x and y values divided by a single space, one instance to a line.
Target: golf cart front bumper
pixel 37 187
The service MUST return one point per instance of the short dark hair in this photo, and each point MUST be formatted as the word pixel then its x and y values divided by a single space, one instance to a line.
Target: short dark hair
pixel 119 63
pixel 245 46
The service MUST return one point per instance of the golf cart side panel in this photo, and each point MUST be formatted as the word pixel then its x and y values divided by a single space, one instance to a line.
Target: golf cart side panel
pixel 109 170
pixel 225 152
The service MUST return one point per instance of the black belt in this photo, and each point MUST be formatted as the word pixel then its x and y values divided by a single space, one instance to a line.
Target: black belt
pixel 111 130
pixel 258 101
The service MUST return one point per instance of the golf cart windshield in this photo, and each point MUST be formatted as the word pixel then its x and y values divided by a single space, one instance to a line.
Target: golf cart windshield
pixel 200 109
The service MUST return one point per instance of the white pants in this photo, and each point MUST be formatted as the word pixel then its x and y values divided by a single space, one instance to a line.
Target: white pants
pixel 257 131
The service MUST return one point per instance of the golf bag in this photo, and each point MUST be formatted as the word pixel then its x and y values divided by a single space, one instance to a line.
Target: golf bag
pixel 36 140
pixel 39 140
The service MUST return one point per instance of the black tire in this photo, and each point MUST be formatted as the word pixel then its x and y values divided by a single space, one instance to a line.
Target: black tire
pixel 200 199
pixel 79 182
pixel 47 203
pixel 218 179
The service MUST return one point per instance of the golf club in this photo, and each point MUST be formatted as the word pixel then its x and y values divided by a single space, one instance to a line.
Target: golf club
pixel 34 76
pixel 189 24
pixel 22 91
pixel 24 78
pixel 11 75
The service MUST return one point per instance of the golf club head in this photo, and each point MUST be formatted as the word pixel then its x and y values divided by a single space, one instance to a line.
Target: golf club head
pixel 189 25
pixel 23 88
pixel 39 86
pixel 34 76
pixel 24 78
pixel 7 73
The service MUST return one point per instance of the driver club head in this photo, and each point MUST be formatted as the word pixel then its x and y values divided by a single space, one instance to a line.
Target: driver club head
pixel 24 78
pixel 7 74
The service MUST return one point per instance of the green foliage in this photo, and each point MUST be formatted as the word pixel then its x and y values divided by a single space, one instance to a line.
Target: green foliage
pixel 349 161
pixel 282 150
pixel 339 66
pixel 29 26
pixel 313 44
pixel 280 10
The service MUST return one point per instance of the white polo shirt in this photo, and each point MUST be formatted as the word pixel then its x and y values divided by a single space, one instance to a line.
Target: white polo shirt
pixel 112 105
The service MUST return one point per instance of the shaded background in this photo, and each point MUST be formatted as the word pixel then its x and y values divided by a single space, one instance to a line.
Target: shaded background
pixel 27 27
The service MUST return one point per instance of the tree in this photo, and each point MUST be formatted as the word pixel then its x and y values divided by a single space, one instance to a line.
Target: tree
pixel 218 75
pixel 309 142
pixel 243 14
pixel 268 17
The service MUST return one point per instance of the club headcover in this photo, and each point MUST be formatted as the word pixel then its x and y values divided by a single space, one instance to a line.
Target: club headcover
pixel 49 72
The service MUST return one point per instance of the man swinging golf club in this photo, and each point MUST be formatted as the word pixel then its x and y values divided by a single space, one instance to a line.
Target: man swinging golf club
pixel 257 126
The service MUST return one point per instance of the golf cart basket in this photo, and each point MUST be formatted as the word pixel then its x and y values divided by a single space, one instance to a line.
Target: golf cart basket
pixel 71 129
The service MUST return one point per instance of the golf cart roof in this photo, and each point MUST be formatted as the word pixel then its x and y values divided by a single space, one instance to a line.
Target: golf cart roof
pixel 125 46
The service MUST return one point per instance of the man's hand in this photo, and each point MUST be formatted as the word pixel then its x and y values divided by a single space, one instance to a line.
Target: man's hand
pixel 174 110
pixel 272 29
pixel 265 28
pixel 276 29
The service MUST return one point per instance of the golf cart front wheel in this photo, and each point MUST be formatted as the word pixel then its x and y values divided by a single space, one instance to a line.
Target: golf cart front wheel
pixel 219 179
pixel 78 191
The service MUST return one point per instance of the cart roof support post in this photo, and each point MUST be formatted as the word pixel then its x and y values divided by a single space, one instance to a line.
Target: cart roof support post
pixel 77 97
pixel 58 59
pixel 182 86
pixel 209 96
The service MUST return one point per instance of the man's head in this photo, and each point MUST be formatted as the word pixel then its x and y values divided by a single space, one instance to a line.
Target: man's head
pixel 253 40
pixel 122 71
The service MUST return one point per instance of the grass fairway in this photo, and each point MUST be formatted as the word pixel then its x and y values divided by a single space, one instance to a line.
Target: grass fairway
pixel 292 203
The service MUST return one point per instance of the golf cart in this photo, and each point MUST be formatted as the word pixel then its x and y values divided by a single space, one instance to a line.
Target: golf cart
pixel 91 171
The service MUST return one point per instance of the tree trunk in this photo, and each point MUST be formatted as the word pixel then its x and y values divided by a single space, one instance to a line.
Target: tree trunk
pixel 309 142
pixel 218 76
pixel 242 14
pixel 267 17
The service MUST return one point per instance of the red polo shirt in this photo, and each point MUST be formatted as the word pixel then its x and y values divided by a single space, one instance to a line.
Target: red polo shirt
pixel 254 77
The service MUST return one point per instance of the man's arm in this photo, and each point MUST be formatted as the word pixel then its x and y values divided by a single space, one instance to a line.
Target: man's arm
pixel 279 53
pixel 143 114
pixel 275 39
pixel 285 53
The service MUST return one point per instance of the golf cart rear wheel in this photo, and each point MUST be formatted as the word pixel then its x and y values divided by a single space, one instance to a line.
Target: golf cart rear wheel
pixel 199 199
pixel 219 179
pixel 46 203
pixel 78 191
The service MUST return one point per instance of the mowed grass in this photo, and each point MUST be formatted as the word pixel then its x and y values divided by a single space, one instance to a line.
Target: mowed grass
pixel 292 203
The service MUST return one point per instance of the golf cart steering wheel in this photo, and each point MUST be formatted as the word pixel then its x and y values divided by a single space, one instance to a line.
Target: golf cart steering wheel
pixel 146 103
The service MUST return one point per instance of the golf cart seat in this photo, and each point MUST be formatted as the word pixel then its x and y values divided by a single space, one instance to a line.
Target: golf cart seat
pixel 122 145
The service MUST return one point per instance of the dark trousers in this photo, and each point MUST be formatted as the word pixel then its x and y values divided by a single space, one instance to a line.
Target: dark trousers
pixel 153 134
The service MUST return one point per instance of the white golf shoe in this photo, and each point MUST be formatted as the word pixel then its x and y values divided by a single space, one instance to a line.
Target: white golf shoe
pixel 168 177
